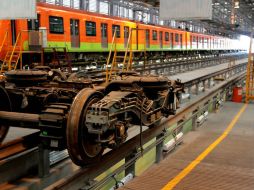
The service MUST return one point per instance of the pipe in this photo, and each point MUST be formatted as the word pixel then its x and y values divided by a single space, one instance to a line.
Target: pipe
pixel 24 120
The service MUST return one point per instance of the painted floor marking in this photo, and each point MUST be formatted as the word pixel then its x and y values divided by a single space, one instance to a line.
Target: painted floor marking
pixel 205 153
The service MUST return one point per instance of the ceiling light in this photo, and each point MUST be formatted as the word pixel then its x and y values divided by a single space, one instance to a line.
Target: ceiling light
pixel 237 5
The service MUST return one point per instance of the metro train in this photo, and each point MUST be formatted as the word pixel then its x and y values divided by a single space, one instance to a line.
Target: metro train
pixel 84 34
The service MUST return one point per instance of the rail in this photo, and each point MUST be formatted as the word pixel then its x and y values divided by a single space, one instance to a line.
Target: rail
pixel 176 63
pixel 18 145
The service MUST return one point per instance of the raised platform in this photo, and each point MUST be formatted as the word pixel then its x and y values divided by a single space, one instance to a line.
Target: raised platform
pixel 196 165
pixel 197 73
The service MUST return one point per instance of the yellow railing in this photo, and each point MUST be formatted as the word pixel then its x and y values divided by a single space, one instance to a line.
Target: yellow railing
pixel 250 74
pixel 13 51
pixel 4 40
pixel 113 45
pixel 126 65
pixel 128 49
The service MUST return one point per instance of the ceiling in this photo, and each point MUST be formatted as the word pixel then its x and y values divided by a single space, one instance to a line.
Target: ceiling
pixel 229 16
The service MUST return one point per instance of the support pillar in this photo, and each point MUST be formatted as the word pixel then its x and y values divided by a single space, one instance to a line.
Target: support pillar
pixel 215 104
pixel 209 83
pixel 159 149
pixel 194 120
pixel 131 168
pixel 82 4
pixel 197 88
pixel 189 91
pixel 98 6
pixel 204 85
pixel 44 163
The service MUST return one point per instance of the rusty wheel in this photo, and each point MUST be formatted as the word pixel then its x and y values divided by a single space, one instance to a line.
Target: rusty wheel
pixel 5 105
pixel 81 147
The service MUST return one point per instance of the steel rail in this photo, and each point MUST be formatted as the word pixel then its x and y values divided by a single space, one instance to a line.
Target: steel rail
pixel 15 152
pixel 182 62
pixel 169 60
pixel 140 68
pixel 18 145
pixel 22 155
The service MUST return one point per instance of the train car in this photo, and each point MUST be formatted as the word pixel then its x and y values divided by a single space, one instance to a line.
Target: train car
pixel 88 35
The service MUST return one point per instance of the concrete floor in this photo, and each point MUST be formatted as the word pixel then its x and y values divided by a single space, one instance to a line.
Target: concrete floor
pixel 229 166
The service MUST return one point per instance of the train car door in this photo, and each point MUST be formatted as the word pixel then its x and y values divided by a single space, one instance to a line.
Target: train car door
pixel 172 40
pixel 13 32
pixel 75 38
pixel 181 41
pixel 147 38
pixel 126 35
pixel 161 39
pixel 104 35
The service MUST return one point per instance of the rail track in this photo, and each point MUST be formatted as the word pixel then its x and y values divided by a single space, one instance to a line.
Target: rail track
pixel 179 64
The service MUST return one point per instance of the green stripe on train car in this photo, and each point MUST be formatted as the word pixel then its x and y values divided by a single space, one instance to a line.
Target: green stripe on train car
pixel 97 47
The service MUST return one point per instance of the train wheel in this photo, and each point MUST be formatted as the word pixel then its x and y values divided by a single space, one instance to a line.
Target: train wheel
pixel 5 105
pixel 82 149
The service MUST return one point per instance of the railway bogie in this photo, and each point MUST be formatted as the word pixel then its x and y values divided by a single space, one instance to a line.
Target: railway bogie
pixel 88 119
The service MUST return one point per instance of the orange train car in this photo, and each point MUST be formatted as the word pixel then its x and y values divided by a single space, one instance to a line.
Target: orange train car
pixel 87 34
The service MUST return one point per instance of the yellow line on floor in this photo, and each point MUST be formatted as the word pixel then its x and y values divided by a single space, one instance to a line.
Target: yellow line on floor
pixel 203 155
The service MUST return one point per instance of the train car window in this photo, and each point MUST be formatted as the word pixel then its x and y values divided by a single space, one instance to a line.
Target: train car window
pixel 56 25
pixel 90 28
pixel 34 24
pixel 194 39
pixel 176 37
pixel 166 36
pixel 117 29
pixel 155 35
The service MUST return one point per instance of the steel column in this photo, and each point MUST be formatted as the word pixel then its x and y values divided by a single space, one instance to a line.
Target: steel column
pixel 131 169
pixel 44 163
pixel 159 149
